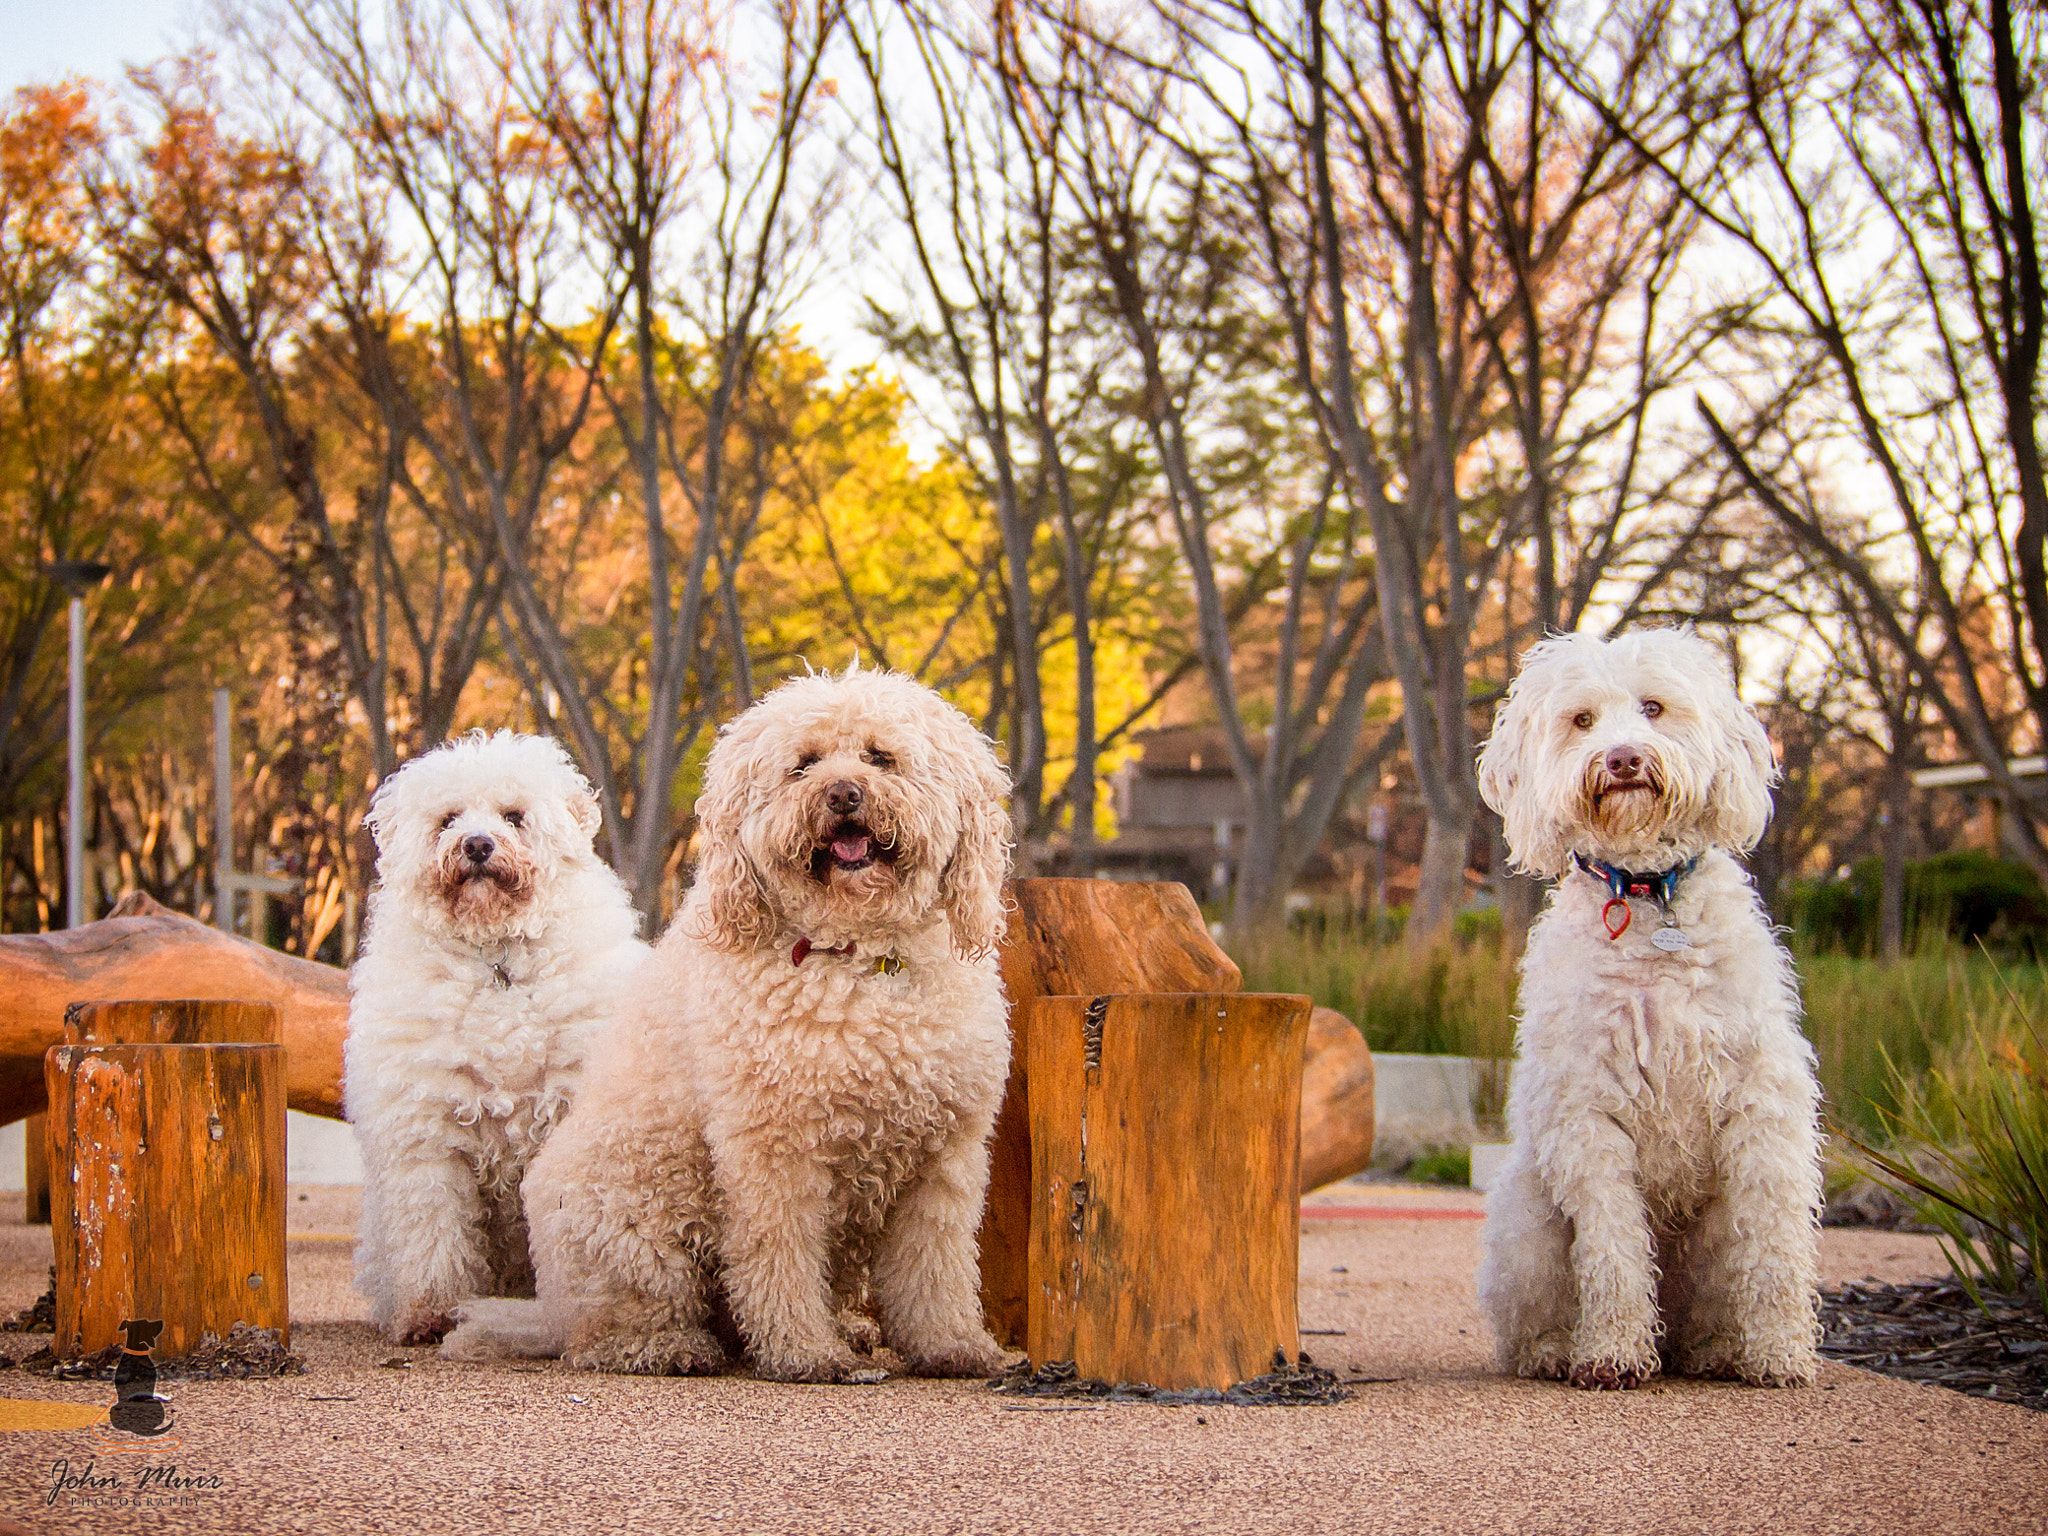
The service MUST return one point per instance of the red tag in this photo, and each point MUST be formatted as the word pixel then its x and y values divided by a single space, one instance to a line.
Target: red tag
pixel 1616 930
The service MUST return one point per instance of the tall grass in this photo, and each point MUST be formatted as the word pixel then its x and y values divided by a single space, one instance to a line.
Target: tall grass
pixel 1878 1029
pixel 1967 1145
pixel 1863 1017
pixel 1455 1001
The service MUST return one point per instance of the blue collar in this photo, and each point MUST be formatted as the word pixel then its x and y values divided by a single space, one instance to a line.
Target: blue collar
pixel 1623 883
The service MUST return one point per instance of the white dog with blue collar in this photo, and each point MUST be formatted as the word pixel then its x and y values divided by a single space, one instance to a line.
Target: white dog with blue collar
pixel 1660 1208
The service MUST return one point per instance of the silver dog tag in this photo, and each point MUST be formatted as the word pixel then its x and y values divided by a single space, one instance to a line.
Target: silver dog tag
pixel 1671 940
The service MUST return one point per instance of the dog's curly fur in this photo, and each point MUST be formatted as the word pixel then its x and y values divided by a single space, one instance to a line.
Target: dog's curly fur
pixel 1660 1207
pixel 497 940
pixel 777 1121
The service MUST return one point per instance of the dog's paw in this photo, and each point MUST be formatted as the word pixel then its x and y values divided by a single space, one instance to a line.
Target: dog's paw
pixel 826 1366
pixel 1725 1358
pixel 1609 1375
pixel 1548 1357
pixel 961 1358
pixel 670 1352
pixel 862 1334
pixel 421 1325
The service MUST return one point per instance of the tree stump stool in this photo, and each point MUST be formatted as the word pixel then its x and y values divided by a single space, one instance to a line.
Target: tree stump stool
pixel 166 1145
pixel 1165 1162
pixel 1337 1118
pixel 1074 937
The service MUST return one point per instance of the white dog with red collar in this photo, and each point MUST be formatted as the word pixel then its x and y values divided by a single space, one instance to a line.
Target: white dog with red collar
pixel 1660 1209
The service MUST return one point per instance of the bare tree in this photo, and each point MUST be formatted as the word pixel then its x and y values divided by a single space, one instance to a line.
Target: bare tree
pixel 1885 195
pixel 703 184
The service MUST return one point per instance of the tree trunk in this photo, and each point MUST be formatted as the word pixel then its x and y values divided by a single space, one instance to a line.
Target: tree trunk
pixel 1891 900
pixel 1440 890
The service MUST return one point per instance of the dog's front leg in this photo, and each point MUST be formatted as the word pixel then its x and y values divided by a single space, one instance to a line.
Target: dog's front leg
pixel 1757 1247
pixel 777 1270
pixel 424 1248
pixel 1590 1166
pixel 928 1271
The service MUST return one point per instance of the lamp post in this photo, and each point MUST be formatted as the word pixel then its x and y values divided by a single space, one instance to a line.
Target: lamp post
pixel 77 577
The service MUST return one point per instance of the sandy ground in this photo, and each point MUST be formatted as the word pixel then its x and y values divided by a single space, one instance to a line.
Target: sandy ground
pixel 1441 1444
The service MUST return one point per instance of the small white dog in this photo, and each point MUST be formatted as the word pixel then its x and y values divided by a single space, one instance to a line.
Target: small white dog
pixel 1661 1205
pixel 497 939
pixel 801 1095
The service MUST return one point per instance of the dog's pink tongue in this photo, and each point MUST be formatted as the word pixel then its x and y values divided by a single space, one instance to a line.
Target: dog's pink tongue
pixel 851 850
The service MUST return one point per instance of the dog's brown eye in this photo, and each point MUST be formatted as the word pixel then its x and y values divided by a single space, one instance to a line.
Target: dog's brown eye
pixel 1583 719
pixel 515 818
pixel 880 759
pixel 1652 708
pixel 449 820
pixel 803 763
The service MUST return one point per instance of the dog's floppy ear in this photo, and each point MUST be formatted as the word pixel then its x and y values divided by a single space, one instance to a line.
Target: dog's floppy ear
pixel 973 881
pixel 734 912
pixel 1500 759
pixel 1741 791
pixel 584 811
pixel 378 820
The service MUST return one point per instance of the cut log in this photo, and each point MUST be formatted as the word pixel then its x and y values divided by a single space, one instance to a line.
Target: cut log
pixel 1165 1176
pixel 145 950
pixel 168 1200
pixel 1336 1101
pixel 36 1171
pixel 1069 937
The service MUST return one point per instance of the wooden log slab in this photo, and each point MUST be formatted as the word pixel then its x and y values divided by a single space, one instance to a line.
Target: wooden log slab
pixel 145 950
pixel 1074 937
pixel 1336 1101
pixel 1165 1180
pixel 166 1135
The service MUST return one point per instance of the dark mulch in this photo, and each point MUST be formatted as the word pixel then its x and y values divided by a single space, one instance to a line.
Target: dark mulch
pixel 1930 1330
pixel 246 1353
pixel 39 1317
pixel 1285 1386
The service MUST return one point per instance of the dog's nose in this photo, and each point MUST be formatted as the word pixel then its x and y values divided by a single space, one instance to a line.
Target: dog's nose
pixel 843 798
pixel 478 849
pixel 1625 763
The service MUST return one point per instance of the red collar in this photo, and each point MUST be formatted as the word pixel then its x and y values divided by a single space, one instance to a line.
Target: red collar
pixel 805 947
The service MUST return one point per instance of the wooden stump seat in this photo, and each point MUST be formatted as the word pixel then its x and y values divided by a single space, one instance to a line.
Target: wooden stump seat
pixel 1165 1173
pixel 166 1128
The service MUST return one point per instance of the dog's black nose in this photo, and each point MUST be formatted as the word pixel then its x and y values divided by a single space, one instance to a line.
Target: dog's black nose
pixel 1625 762
pixel 843 798
pixel 478 849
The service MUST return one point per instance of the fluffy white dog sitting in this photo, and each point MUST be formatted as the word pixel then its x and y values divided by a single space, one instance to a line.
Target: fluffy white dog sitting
pixel 801 1095
pixel 497 939
pixel 1660 1206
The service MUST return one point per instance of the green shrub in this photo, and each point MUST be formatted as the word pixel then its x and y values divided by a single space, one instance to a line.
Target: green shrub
pixel 1441 1165
pixel 1968 1146
pixel 1967 896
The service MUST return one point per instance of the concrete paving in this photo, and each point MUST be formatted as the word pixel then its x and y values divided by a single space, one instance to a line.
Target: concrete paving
pixel 1432 1440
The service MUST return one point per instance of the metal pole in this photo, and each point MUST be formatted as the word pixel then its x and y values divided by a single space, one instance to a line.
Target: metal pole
pixel 223 815
pixel 74 833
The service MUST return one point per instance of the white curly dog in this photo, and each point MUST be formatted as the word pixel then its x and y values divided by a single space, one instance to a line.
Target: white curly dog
pixel 497 941
pixel 1660 1207
pixel 799 1100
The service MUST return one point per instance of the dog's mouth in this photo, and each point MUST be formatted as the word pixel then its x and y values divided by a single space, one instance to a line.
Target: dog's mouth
pixel 1625 787
pixel 848 848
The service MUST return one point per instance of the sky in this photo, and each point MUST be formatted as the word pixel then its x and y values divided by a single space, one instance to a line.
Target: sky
pixel 47 39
